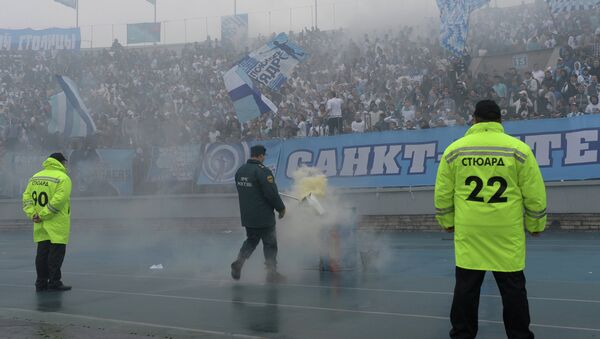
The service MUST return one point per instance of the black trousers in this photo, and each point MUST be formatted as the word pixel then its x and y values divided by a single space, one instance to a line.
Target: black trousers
pixel 335 125
pixel 465 305
pixel 269 239
pixel 48 262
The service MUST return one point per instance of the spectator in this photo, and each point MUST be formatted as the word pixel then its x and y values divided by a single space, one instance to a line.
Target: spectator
pixel 531 85
pixel 408 110
pixel 302 127
pixel 160 97
pixel 593 107
pixel 358 125
pixel 574 111
pixel 581 99
pixel 499 87
pixel 334 112
pixel 381 124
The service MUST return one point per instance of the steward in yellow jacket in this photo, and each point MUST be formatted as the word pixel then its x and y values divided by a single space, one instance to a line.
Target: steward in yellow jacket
pixel 487 182
pixel 47 202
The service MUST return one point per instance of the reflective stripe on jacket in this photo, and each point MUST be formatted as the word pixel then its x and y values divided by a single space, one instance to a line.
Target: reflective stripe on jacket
pixel 485 183
pixel 48 194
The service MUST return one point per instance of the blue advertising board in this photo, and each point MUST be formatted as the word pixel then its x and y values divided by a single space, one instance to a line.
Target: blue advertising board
pixel 220 161
pixel 102 172
pixel 566 149
pixel 177 163
pixel 40 40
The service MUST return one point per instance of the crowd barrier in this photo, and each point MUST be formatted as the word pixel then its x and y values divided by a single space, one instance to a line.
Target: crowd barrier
pixel 566 149
pixel 573 198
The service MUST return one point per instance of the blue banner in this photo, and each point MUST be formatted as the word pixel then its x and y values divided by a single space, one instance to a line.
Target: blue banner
pixel 102 172
pixel 176 163
pixel 40 40
pixel 566 149
pixel 15 171
pixel 221 161
pixel 93 172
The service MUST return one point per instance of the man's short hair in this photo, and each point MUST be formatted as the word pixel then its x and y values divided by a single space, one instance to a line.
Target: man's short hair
pixel 257 150
pixel 487 110
pixel 58 156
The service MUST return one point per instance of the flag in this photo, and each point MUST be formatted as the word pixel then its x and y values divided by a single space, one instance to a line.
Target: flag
pixel 152 2
pixel 273 63
pixel 70 117
pixel 68 3
pixel 248 102
pixel 454 15
pixel 557 6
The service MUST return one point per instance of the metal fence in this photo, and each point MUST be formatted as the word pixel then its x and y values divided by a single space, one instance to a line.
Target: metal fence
pixel 330 16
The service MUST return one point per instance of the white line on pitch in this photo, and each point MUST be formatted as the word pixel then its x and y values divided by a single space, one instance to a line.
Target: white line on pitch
pixel 312 308
pixel 135 323
pixel 364 289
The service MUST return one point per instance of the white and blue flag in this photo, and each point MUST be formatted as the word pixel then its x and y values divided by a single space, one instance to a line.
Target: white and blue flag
pixel 68 3
pixel 70 117
pixel 557 6
pixel 454 15
pixel 248 102
pixel 273 63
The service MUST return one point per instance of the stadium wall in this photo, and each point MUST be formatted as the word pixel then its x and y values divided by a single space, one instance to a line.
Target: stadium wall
pixel 571 206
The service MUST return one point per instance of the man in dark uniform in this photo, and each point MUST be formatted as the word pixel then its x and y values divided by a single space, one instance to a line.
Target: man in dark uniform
pixel 258 197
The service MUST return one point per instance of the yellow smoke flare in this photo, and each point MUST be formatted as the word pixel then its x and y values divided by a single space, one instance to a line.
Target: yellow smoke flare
pixel 309 180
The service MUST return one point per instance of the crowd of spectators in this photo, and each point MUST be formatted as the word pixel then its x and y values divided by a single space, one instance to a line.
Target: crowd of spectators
pixel 394 80
pixel 531 27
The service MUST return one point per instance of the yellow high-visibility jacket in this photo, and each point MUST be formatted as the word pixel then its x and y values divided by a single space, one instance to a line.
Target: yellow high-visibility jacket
pixel 486 181
pixel 48 194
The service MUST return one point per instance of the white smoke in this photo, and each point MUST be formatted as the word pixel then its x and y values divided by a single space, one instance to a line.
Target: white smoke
pixel 305 235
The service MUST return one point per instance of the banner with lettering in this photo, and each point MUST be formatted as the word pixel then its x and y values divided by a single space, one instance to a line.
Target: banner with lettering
pixel 40 40
pixel 566 149
pixel 102 172
pixel 16 169
pixel 220 161
pixel 177 163
pixel 273 63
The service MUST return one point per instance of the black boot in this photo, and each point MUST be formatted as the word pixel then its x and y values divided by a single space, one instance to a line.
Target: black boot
pixel 41 285
pixel 236 269
pixel 59 287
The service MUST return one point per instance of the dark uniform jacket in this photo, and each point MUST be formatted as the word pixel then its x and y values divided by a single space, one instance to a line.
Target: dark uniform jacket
pixel 258 195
